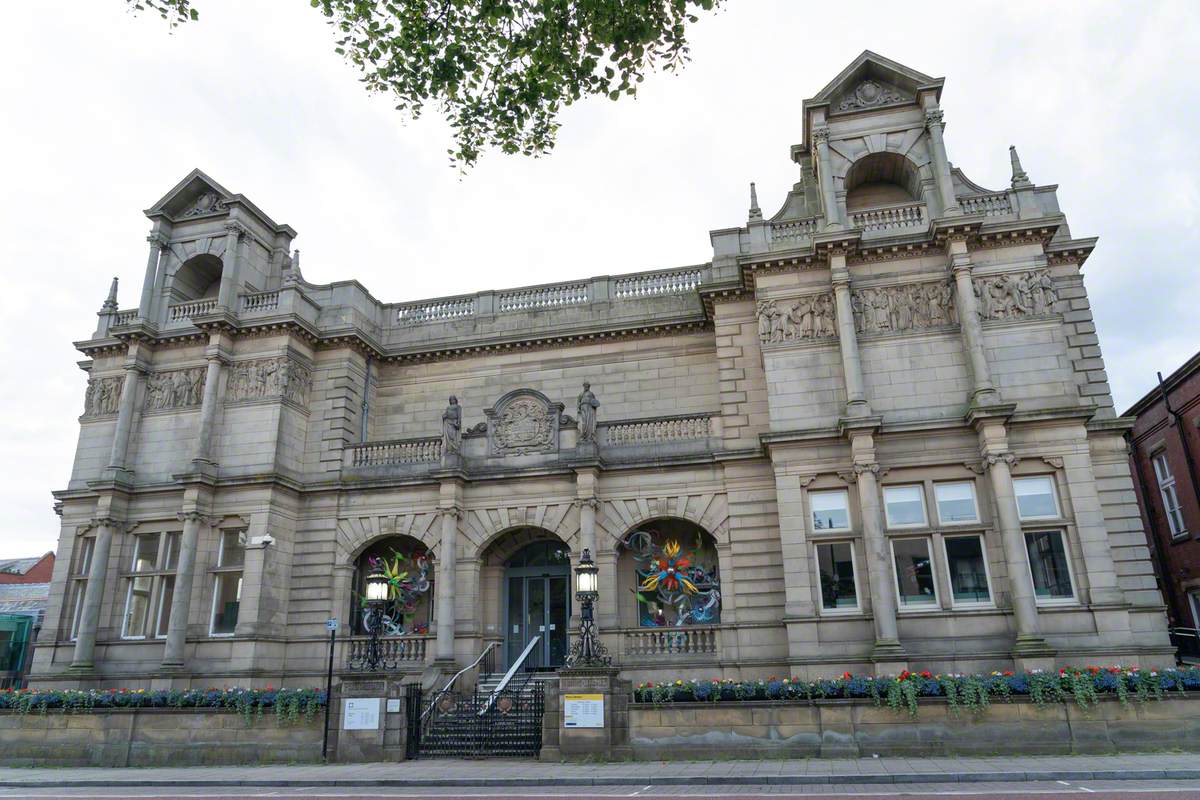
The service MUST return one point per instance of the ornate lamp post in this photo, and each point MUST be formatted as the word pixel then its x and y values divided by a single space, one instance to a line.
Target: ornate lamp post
pixel 377 595
pixel 588 651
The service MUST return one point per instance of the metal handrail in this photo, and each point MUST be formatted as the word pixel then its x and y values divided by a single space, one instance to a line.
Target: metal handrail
pixel 457 675
pixel 509 675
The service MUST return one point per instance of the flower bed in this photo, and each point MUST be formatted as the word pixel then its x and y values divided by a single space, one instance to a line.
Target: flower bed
pixel 289 704
pixel 1083 686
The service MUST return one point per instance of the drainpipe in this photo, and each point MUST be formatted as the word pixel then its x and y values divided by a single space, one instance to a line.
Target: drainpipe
pixel 366 404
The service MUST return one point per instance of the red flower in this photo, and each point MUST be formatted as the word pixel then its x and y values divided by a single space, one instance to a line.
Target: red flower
pixel 1008 673
pixel 904 675
pixel 846 675
pixel 926 674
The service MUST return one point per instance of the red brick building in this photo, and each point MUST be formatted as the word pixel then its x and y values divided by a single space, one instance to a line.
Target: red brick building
pixel 27 570
pixel 1164 453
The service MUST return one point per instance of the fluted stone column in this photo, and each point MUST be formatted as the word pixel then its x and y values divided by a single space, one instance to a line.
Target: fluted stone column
pixel 983 393
pixel 181 600
pixel 93 594
pixel 833 216
pixel 445 585
pixel 158 243
pixel 945 184
pixel 856 397
pixel 129 390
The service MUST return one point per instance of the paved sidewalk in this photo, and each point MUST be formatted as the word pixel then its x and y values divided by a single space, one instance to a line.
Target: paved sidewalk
pixel 648 773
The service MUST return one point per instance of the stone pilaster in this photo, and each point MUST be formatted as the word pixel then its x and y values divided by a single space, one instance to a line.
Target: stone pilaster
pixel 153 278
pixel 833 214
pixel 126 411
pixel 856 396
pixel 216 354
pixel 983 393
pixel 181 600
pixel 93 595
pixel 450 510
pixel 235 232
pixel 945 184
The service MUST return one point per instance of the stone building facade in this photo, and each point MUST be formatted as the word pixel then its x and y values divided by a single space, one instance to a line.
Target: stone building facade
pixel 874 431
pixel 1164 453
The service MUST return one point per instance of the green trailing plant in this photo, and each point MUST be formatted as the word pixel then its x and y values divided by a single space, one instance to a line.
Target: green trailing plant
pixel 289 705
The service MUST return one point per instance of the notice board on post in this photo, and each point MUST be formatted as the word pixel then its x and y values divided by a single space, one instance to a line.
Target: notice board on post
pixel 583 711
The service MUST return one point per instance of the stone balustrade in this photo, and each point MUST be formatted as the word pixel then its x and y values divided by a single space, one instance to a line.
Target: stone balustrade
pixel 889 218
pixel 657 431
pixel 680 640
pixel 125 317
pixel 793 230
pixel 989 205
pixel 542 297
pixel 656 283
pixel 260 301
pixel 181 312
pixel 398 451
pixel 435 311
pixel 410 650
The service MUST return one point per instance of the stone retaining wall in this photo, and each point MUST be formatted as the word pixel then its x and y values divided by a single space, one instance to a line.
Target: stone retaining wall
pixel 851 728
pixel 154 737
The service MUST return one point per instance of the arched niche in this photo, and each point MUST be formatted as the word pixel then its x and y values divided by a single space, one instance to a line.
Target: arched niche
pixel 881 179
pixel 526 591
pixel 409 567
pixel 668 574
pixel 197 278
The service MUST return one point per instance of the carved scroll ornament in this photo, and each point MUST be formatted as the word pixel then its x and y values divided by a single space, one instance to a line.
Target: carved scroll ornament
pixel 807 317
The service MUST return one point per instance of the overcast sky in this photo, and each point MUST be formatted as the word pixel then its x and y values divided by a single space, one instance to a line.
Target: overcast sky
pixel 104 112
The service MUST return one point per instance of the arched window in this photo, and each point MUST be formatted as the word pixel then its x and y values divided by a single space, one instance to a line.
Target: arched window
pixel 881 179
pixel 408 564
pixel 670 567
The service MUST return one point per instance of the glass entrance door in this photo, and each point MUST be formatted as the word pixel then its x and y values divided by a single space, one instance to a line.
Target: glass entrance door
pixel 538 605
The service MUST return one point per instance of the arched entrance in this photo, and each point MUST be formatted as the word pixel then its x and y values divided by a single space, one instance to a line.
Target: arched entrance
pixel 536 602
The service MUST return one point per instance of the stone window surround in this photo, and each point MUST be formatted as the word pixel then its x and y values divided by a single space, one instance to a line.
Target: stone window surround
pixel 974 499
pixel 217 570
pixel 857 608
pixel 936 605
pixel 158 576
pixel 922 489
pixel 990 603
pixel 1066 543
pixel 1054 495
pixel 81 562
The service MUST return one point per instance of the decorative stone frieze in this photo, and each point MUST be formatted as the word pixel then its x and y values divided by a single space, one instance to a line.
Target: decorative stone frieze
pixel 181 388
pixel 523 422
pixel 1013 295
pixel 872 94
pixel 269 378
pixel 207 203
pixel 103 396
pixel 807 317
pixel 897 309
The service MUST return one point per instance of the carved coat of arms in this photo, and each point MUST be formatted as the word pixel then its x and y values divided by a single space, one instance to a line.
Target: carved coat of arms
pixel 524 421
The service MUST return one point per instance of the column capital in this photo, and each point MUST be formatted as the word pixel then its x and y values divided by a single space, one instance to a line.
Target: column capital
pixel 236 228
pixel 933 117
pixel 196 516
pixel 990 460
pixel 820 134
pixel 851 475
pixel 156 238
pixel 104 521
pixel 453 512
pixel 590 502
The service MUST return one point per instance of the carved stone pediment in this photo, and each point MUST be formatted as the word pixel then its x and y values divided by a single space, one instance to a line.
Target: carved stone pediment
pixel 523 422
pixel 871 93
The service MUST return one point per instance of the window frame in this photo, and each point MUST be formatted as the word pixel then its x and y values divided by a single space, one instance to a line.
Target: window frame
pixel 849 516
pixel 81 565
pixel 221 570
pixel 1052 601
pixel 924 608
pixel 1174 513
pixel 858 604
pixel 887 517
pixel 1049 478
pixel 167 542
pixel 987 572
pixel 978 520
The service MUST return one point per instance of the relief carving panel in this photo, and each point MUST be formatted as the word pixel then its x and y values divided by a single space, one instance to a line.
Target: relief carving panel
pixel 910 307
pixel 807 317
pixel 178 389
pixel 267 379
pixel 1015 294
pixel 522 422
pixel 103 396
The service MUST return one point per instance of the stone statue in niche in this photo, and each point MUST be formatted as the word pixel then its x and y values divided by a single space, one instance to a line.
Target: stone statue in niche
pixel 452 428
pixel 809 317
pixel 177 389
pixel 103 396
pixel 587 405
pixel 1015 294
pixel 523 422
pixel 909 307
pixel 269 378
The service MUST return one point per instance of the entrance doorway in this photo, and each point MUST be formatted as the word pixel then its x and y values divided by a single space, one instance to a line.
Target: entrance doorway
pixel 537 602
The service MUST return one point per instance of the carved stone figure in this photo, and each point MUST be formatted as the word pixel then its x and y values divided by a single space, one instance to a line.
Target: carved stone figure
pixel 1015 294
pixel 269 378
pixel 176 389
pixel 103 396
pixel 911 307
pixel 452 428
pixel 587 405
pixel 809 317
